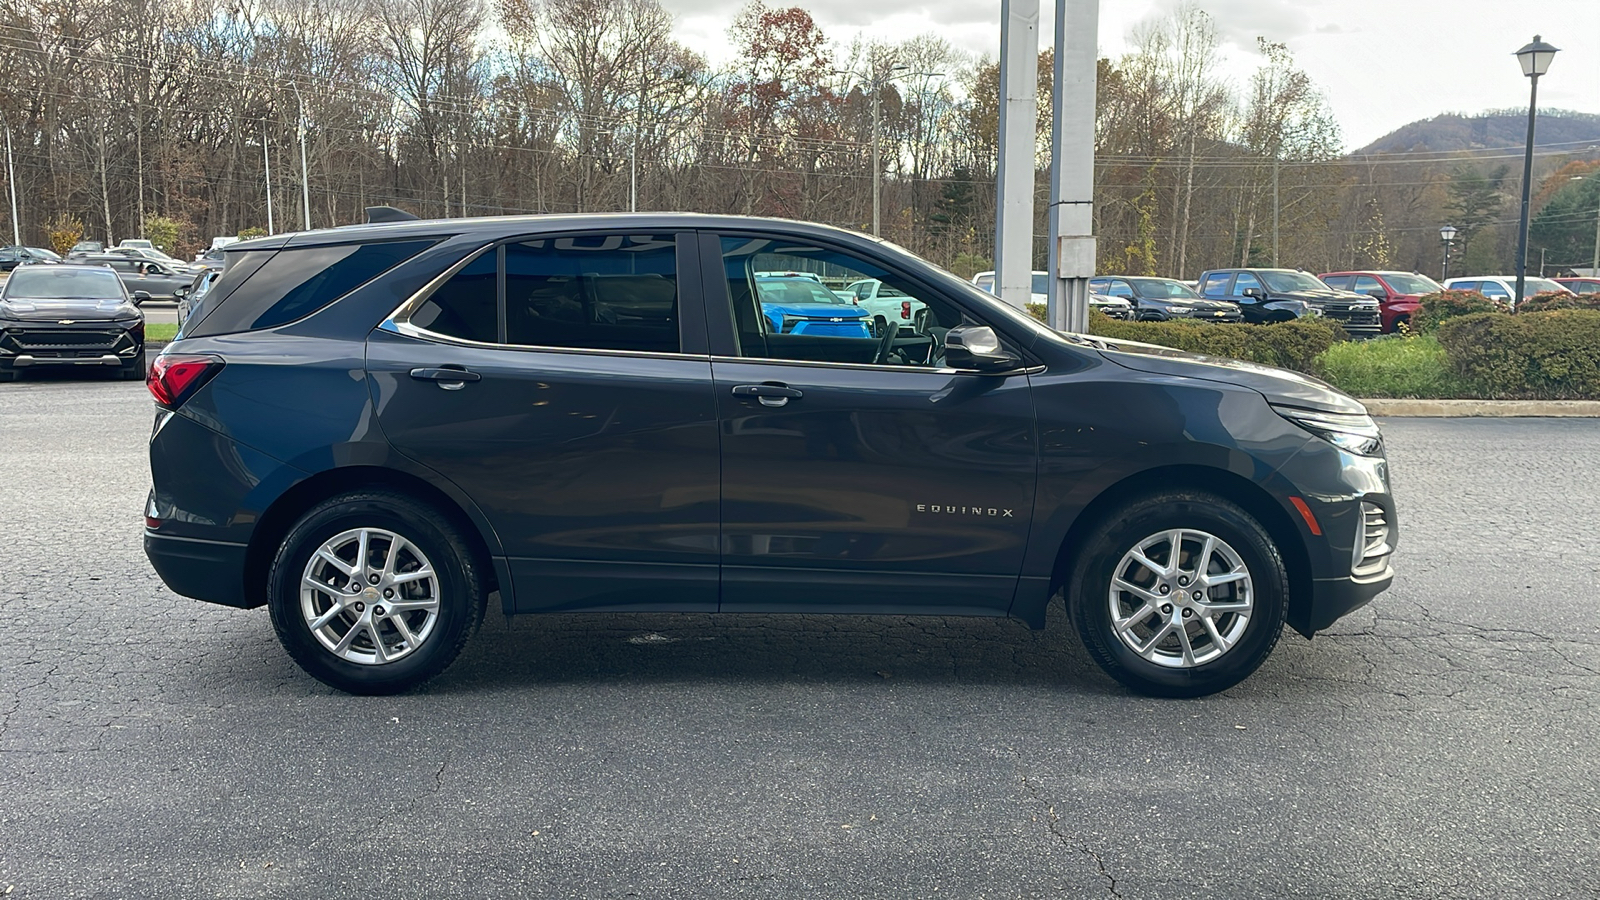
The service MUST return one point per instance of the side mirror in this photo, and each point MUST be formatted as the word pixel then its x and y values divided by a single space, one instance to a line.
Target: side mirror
pixel 139 297
pixel 180 291
pixel 1252 292
pixel 976 347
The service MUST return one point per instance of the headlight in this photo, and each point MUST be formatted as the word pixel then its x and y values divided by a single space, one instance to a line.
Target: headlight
pixel 1350 432
pixel 789 323
pixel 1176 311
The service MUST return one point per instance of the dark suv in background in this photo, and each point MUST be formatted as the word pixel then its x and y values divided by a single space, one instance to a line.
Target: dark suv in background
pixel 1164 299
pixel 371 429
pixel 1278 295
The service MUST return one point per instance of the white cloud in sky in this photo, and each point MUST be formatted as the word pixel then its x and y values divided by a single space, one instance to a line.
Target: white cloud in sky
pixel 1382 63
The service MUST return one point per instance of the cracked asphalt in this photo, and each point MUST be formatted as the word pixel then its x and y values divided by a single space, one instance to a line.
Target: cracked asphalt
pixel 1439 743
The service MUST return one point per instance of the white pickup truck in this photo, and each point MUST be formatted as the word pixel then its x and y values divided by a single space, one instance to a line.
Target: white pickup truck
pixel 885 304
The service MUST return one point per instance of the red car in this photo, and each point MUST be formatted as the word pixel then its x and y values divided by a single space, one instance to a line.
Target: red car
pixel 1397 293
pixel 1580 285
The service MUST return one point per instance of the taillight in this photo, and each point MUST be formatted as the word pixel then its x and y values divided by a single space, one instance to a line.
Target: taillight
pixel 173 379
pixel 905 309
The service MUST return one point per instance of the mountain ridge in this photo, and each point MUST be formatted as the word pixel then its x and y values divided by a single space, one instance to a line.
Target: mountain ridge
pixel 1495 128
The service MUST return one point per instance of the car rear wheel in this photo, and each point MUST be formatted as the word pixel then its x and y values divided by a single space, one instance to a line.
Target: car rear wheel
pixel 373 592
pixel 1179 594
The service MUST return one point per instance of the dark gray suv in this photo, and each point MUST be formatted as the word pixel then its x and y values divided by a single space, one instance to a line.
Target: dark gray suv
pixel 373 429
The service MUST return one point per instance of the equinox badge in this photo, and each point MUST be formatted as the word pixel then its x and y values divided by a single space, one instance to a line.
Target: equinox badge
pixel 969 511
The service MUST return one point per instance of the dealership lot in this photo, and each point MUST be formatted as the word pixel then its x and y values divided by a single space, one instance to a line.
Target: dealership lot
pixel 1437 744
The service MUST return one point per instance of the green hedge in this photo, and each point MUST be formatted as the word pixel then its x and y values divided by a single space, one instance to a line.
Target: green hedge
pixel 1288 345
pixel 1551 300
pixel 1443 305
pixel 1534 355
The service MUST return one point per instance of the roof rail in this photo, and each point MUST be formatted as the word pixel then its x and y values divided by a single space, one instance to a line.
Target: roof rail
pixel 376 214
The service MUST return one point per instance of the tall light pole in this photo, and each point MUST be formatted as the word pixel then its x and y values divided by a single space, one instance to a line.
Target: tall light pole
pixel 11 181
pixel 1535 59
pixel 1447 236
pixel 266 158
pixel 305 178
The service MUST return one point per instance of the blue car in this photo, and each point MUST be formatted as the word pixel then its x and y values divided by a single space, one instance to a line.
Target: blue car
pixel 804 306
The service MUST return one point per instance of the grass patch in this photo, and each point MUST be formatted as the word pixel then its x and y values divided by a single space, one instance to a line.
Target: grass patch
pixel 1410 368
pixel 160 332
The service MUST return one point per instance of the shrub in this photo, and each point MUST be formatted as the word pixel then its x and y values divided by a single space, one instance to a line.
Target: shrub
pixel 163 232
pixel 1537 355
pixel 63 233
pixel 1552 300
pixel 253 231
pixel 1401 367
pixel 1442 305
pixel 1289 345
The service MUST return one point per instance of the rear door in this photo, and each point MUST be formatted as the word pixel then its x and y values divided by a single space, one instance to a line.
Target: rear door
pixel 562 383
pixel 861 474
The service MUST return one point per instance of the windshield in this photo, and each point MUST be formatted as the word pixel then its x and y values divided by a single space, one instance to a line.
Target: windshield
pixel 1413 284
pixel 1292 281
pixel 1163 289
pixel 1541 286
pixel 1041 283
pixel 64 283
pixel 42 253
pixel 795 290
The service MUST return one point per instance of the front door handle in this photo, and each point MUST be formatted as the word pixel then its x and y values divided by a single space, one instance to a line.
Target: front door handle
pixel 772 395
pixel 450 378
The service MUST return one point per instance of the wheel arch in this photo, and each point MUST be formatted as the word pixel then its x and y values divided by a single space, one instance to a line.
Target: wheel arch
pixel 293 503
pixel 1246 494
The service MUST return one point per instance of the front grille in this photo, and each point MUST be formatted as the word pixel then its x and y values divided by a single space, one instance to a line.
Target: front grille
pixel 851 328
pixel 1372 547
pixel 31 339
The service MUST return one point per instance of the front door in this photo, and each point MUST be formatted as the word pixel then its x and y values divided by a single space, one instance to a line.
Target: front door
pixel 860 473
pixel 551 382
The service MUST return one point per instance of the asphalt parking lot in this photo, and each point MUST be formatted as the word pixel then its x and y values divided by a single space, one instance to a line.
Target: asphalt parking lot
pixel 1440 743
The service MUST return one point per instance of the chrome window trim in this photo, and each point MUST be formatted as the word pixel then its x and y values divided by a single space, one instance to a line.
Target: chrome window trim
pixel 399 321
pixel 875 367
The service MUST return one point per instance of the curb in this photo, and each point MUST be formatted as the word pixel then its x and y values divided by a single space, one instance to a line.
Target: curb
pixel 1484 408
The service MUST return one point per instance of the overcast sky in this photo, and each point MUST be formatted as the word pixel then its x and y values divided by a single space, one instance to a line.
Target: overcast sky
pixel 1382 63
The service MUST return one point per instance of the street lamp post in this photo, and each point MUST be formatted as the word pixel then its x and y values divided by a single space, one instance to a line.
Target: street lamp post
pixel 305 178
pixel 1535 59
pixel 1447 236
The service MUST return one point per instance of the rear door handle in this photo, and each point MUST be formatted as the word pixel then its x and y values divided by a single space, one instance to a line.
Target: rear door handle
pixel 772 395
pixel 450 378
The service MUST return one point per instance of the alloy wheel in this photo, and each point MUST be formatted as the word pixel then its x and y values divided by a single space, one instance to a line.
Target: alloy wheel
pixel 1181 598
pixel 369 596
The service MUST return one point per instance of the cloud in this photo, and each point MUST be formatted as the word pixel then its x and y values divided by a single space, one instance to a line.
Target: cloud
pixel 1240 22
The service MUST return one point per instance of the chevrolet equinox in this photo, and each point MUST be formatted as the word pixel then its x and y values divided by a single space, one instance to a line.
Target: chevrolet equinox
pixel 371 429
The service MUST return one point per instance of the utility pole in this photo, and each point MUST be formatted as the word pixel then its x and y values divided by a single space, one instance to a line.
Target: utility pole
pixel 266 157
pixel 305 177
pixel 1019 105
pixel 876 84
pixel 633 152
pixel 1274 209
pixel 1072 243
pixel 11 181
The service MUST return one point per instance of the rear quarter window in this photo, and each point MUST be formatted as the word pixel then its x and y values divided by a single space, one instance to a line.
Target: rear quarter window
pixel 271 289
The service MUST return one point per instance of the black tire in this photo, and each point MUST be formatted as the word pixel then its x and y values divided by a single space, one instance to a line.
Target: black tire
pixel 1090 604
pixel 7 375
pixel 458 585
pixel 135 370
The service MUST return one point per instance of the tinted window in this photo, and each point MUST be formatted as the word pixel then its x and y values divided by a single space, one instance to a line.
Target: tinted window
pixel 299 281
pixel 770 328
pixel 1118 288
pixel 609 292
pixel 1366 284
pixel 1041 283
pixel 1338 282
pixel 1412 284
pixel 1216 285
pixel 1244 281
pixel 464 306
pixel 1463 286
pixel 1493 289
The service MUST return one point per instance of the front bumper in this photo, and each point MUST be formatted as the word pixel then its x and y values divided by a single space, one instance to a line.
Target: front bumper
pixel 1334 598
pixel 212 571
pixel 31 344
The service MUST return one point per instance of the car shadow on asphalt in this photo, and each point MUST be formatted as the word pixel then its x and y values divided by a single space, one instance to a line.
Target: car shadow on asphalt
pixel 602 647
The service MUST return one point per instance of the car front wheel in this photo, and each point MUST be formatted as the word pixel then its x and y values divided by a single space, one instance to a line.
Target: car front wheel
pixel 372 592
pixel 1180 594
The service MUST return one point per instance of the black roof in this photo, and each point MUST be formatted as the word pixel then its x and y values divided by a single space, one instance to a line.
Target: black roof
pixel 496 227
